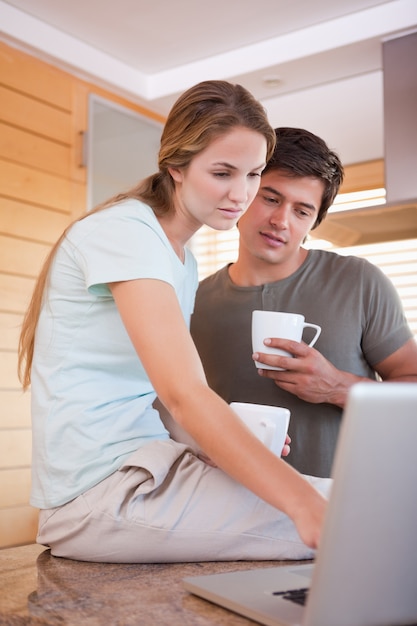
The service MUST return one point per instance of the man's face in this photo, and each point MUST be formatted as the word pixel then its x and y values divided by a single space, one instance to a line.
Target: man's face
pixel 279 218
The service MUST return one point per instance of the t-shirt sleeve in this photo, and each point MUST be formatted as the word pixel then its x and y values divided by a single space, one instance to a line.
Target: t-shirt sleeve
pixel 123 247
pixel 386 328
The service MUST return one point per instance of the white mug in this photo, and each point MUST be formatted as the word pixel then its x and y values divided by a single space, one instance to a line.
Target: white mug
pixel 268 423
pixel 274 324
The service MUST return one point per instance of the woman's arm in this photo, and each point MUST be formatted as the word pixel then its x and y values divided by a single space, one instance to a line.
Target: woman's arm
pixel 152 316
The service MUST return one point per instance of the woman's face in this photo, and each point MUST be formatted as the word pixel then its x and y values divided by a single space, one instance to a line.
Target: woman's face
pixel 221 181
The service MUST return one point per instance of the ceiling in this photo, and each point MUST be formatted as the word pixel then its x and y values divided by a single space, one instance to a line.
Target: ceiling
pixel 315 64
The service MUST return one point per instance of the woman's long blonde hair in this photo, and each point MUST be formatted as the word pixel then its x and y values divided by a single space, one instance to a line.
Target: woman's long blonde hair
pixel 203 113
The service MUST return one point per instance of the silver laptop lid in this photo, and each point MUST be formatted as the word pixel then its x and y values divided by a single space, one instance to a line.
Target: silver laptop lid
pixel 367 562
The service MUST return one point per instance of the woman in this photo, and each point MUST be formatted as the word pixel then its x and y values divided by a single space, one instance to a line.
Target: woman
pixel 107 331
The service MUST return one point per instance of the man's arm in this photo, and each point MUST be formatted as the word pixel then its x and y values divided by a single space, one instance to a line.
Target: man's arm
pixel 311 377
pixel 401 365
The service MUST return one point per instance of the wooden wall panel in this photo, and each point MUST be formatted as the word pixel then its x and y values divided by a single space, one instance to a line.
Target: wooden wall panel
pixel 9 330
pixel 15 448
pixel 14 486
pixel 18 525
pixel 15 411
pixel 27 221
pixel 35 151
pixel 8 374
pixel 29 185
pixel 30 76
pixel 15 293
pixel 22 257
pixel 37 117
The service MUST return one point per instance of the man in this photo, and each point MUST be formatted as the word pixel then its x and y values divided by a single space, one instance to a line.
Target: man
pixel 364 331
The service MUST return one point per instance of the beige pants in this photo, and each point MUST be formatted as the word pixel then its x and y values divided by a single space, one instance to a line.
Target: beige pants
pixel 166 505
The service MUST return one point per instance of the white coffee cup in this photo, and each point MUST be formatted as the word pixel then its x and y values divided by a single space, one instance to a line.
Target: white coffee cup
pixel 268 423
pixel 275 324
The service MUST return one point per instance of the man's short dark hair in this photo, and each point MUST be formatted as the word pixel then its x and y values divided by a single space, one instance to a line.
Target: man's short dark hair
pixel 301 153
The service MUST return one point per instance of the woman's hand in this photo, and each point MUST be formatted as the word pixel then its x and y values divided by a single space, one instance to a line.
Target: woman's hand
pixel 309 518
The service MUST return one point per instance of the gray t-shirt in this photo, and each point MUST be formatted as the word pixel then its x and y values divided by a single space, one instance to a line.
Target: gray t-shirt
pixel 362 322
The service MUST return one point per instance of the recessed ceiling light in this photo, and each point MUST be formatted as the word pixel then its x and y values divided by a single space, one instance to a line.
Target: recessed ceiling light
pixel 271 81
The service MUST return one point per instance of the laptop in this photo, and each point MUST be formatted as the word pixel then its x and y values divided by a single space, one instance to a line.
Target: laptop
pixel 365 571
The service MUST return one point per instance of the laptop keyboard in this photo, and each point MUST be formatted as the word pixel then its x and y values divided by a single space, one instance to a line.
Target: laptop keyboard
pixel 299 596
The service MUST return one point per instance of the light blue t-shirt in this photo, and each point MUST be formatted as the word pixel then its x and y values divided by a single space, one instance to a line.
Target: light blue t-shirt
pixel 91 397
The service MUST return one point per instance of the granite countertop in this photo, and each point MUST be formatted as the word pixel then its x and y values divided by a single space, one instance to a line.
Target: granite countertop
pixel 38 589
